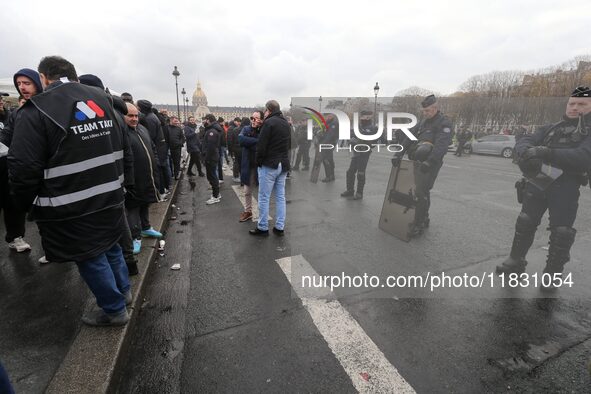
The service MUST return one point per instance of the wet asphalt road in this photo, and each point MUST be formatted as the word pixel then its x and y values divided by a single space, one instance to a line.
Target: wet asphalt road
pixel 229 322
pixel 40 309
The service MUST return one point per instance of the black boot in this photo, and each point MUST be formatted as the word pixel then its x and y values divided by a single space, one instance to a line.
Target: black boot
pixel 347 193
pixel 561 240
pixel 525 230
pixel 415 230
pixel 132 267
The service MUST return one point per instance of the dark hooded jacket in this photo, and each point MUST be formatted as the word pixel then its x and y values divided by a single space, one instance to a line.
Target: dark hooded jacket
pixel 146 173
pixel 212 141
pixel 233 133
pixel 248 138
pixel 32 75
pixel 6 133
pixel 151 122
pixel 193 144
pixel 176 136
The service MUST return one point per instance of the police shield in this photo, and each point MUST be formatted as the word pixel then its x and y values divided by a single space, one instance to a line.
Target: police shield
pixel 398 210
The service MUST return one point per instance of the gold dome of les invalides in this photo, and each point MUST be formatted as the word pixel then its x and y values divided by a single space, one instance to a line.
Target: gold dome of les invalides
pixel 199 97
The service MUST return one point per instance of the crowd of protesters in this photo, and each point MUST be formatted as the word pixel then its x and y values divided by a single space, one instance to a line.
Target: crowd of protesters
pixel 86 165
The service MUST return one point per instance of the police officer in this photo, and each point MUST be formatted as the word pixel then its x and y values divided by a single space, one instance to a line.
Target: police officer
pixel 303 154
pixel 360 158
pixel 564 145
pixel 464 136
pixel 331 136
pixel 434 136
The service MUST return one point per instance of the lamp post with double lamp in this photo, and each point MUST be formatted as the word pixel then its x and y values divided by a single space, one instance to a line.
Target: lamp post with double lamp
pixel 184 109
pixel 176 74
pixel 376 89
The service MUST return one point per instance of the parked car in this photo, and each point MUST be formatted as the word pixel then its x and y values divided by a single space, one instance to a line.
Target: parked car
pixel 496 144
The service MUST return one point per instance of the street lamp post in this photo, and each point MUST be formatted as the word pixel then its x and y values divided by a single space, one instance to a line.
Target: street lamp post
pixel 176 74
pixel 376 89
pixel 184 109
pixel 320 101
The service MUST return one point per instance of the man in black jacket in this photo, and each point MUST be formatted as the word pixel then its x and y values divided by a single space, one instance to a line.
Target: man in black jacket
pixel 151 122
pixel 212 143
pixel 176 140
pixel 272 159
pixel 28 84
pixel 193 147
pixel 78 208
pixel 234 146
pixel 564 146
pixel 120 108
pixel 144 192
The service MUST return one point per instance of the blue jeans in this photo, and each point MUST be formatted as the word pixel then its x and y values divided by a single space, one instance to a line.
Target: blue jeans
pixel 107 277
pixel 271 180
pixel 5 386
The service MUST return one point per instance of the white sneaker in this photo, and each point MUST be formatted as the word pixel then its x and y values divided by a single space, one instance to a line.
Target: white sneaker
pixel 19 245
pixel 221 181
pixel 43 260
pixel 213 200
pixel 236 180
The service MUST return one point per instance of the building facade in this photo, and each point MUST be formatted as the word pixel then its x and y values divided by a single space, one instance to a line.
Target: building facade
pixel 199 108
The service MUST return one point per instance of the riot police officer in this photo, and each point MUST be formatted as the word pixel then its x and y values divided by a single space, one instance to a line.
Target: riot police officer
pixel 564 145
pixel 331 136
pixel 434 136
pixel 464 136
pixel 361 152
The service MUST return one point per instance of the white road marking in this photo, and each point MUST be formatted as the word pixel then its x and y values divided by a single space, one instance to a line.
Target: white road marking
pixel 364 362
pixel 255 206
pixel 240 193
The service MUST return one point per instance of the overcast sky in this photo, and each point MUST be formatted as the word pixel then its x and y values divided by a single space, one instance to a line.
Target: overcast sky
pixel 246 52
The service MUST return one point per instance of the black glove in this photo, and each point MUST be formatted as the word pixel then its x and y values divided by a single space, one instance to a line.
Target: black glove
pixel 540 152
pixel 426 166
pixel 530 167
pixel 396 161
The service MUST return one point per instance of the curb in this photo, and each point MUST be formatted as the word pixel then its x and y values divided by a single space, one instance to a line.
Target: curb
pixel 94 355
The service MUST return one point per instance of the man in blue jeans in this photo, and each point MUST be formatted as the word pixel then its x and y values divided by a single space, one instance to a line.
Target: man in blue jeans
pixel 272 159
pixel 64 167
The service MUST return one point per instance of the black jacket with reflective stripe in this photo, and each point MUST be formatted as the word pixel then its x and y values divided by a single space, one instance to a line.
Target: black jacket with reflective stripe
pixel 64 154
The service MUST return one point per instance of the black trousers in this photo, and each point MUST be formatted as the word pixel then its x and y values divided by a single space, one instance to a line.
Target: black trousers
pixel 126 241
pixel 14 218
pixel 237 163
pixel 175 154
pixel 303 155
pixel 460 148
pixel 328 161
pixel 195 159
pixel 220 167
pixel 138 219
pixel 424 182
pixel 210 171
pixel 357 167
pixel 164 181
pixel 561 199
